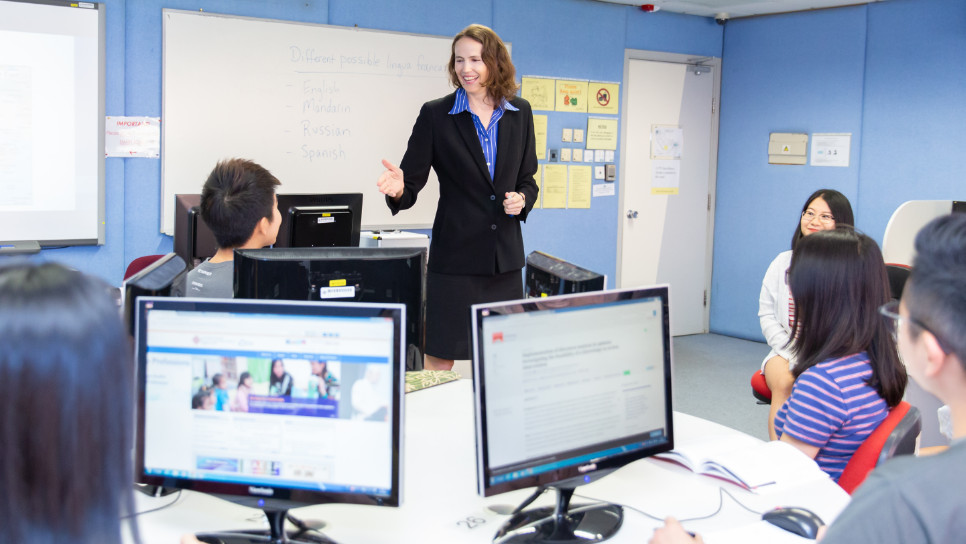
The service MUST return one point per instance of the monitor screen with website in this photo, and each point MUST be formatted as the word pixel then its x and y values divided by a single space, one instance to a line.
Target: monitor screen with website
pixel 569 389
pixel 271 404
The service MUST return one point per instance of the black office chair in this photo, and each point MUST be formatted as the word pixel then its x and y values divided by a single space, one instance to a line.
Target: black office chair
pixel 898 274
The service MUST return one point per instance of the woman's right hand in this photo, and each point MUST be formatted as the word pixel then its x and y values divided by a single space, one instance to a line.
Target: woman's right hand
pixel 391 181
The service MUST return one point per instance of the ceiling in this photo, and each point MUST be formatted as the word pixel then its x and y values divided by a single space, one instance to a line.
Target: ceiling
pixel 740 8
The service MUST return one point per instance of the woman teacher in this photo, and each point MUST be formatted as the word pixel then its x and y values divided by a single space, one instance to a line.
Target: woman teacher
pixel 480 142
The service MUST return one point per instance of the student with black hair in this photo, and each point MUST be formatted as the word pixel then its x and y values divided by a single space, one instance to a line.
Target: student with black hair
pixel 239 205
pixel 848 374
pixel 914 499
pixel 65 459
pixel 823 210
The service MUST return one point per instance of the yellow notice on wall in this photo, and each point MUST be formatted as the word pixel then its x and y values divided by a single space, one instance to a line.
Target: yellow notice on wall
pixel 539 92
pixel 555 186
pixel 571 96
pixel 579 194
pixel 540 135
pixel 538 177
pixel 603 98
pixel 601 133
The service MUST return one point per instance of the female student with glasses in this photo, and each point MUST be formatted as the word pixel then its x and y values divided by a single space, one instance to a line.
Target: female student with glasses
pixel 825 209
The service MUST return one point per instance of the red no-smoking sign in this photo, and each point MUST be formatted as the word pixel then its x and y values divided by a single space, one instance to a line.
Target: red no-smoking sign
pixel 603 97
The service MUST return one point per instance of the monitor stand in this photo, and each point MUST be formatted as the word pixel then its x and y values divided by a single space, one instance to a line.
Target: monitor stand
pixel 275 535
pixel 563 523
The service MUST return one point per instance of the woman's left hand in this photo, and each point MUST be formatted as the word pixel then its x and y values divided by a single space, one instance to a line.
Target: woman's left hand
pixel 514 203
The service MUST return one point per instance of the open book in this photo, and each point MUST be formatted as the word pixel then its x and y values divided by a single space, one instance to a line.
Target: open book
pixel 752 465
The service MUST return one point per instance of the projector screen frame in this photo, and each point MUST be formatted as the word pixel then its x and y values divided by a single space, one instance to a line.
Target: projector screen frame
pixel 23 242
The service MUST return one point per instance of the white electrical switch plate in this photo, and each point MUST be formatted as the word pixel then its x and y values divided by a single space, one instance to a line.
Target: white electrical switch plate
pixel 598 172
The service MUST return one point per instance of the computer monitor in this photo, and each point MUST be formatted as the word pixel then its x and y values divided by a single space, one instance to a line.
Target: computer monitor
pixel 320 220
pixel 155 280
pixel 308 220
pixel 348 274
pixel 547 275
pixel 959 206
pixel 193 240
pixel 567 390
pixel 271 404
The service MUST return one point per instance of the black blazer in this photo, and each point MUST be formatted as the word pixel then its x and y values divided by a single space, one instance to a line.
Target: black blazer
pixel 471 232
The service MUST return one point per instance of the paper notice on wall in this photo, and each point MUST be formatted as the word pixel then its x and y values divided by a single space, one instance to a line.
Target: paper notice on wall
pixel 540 136
pixel 667 142
pixel 579 193
pixel 831 149
pixel 665 177
pixel 132 137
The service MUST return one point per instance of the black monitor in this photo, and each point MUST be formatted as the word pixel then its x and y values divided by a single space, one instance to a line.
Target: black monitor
pixel 308 220
pixel 154 280
pixel 347 274
pixel 567 390
pixel 547 276
pixel 271 404
pixel 193 240
pixel 959 206
pixel 320 220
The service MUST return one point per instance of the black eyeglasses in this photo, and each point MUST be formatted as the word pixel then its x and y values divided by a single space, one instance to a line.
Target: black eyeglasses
pixel 891 310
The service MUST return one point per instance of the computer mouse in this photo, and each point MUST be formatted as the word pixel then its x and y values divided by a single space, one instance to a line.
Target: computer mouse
pixel 796 520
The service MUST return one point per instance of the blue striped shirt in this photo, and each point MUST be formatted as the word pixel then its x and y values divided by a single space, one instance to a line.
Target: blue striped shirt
pixel 488 134
pixel 832 407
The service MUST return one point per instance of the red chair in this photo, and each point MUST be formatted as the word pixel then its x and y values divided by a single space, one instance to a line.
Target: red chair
pixel 898 434
pixel 759 388
pixel 140 264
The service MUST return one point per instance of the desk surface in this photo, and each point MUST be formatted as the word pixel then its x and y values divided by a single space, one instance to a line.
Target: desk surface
pixel 440 502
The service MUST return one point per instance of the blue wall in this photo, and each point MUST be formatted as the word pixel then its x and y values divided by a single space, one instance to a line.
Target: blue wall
pixel 549 37
pixel 889 73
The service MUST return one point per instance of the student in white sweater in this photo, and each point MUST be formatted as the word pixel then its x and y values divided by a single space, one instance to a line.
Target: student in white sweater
pixel 823 210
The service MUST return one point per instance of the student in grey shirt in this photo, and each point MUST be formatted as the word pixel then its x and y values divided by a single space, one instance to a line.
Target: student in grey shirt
pixel 239 205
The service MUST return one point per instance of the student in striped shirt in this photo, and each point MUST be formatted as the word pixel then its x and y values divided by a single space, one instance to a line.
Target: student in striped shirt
pixel 848 372
pixel 823 210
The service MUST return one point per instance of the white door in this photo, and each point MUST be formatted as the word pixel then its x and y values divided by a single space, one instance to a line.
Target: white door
pixel 666 213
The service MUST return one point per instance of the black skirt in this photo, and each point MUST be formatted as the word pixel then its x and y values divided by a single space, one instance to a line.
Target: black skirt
pixel 448 301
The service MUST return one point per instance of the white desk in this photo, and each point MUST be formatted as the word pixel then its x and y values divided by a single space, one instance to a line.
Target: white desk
pixel 439 491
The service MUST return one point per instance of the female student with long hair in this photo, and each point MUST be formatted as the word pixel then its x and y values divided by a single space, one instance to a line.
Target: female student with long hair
pixel 823 210
pixel 65 444
pixel 848 374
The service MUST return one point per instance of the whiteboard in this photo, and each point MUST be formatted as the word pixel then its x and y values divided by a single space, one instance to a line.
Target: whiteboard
pixel 317 105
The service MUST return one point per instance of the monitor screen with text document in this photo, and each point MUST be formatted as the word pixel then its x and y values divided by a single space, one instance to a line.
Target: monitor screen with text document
pixel 571 387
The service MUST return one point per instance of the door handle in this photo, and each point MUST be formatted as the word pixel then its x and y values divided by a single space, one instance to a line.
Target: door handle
pixel 632 214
